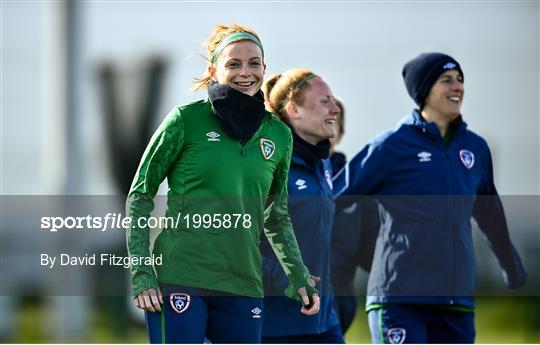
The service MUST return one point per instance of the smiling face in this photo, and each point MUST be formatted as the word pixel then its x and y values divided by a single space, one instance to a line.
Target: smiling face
pixel 334 141
pixel 240 65
pixel 446 96
pixel 315 120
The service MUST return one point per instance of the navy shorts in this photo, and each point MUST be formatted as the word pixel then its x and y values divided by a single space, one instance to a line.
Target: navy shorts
pixel 189 315
pixel 331 336
pixel 403 323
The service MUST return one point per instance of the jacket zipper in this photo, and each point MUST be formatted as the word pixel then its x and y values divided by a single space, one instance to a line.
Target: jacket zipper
pixel 451 206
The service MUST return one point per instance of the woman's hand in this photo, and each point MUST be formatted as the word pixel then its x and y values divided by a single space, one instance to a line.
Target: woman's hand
pixel 313 280
pixel 149 300
pixel 311 305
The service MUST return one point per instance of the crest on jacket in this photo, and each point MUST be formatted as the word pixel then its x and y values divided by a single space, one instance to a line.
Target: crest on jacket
pixel 467 158
pixel 267 148
pixel 179 302
pixel 396 335
pixel 328 178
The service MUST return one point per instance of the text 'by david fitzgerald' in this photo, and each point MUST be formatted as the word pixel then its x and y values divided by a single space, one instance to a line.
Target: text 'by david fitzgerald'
pixel 102 259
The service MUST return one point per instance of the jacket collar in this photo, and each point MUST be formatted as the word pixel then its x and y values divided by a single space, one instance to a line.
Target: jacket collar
pixel 240 115
pixel 338 161
pixel 309 153
pixel 415 119
pixel 322 165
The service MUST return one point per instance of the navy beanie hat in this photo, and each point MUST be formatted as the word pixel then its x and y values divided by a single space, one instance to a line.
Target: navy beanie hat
pixel 423 71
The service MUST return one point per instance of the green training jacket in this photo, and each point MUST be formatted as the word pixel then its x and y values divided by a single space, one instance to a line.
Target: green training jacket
pixel 212 175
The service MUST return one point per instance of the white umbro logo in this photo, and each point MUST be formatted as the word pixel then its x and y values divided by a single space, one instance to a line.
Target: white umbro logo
pixel 256 313
pixel 424 156
pixel 213 136
pixel 301 184
pixel 449 65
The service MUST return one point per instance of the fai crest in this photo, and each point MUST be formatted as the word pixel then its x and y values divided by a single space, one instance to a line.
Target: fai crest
pixel 328 179
pixel 179 302
pixel 267 148
pixel 396 335
pixel 467 158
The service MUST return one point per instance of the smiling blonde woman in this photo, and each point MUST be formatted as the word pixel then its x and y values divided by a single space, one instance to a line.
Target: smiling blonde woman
pixel 226 160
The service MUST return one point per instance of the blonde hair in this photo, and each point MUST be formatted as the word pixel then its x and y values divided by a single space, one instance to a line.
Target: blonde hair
pixel 341 116
pixel 290 86
pixel 221 31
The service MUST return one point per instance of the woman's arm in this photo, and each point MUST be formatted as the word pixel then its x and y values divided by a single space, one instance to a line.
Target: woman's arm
pixel 489 214
pixel 161 152
pixel 279 232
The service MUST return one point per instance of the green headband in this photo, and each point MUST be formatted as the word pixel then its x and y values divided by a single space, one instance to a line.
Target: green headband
pixel 304 80
pixel 237 36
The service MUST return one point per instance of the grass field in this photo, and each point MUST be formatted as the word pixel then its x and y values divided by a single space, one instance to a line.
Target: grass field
pixel 498 320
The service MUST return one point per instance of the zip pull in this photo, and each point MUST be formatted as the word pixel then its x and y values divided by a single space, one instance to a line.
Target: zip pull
pixel 243 147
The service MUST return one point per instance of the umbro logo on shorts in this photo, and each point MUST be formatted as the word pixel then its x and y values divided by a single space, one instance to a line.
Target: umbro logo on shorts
pixel 256 313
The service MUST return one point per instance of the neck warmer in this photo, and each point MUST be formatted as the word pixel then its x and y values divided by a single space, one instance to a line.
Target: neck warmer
pixel 310 153
pixel 451 130
pixel 338 161
pixel 239 114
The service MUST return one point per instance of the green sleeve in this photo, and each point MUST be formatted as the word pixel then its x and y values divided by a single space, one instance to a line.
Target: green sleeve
pixel 278 229
pixel 163 149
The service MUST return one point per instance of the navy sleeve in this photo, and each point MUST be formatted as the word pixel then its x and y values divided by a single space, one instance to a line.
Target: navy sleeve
pixel 489 214
pixel 355 232
pixel 369 231
pixel 274 279
pixel 363 173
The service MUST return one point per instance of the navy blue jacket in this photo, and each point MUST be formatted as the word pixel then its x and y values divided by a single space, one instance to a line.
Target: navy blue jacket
pixel 311 208
pixel 427 193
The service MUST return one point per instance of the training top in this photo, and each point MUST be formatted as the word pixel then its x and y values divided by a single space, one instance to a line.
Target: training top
pixel 311 207
pixel 227 183
pixel 428 191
